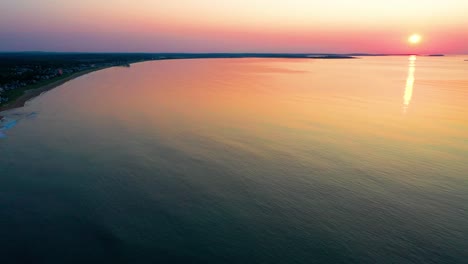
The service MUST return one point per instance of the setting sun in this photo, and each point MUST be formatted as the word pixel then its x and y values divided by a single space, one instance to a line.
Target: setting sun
pixel 414 39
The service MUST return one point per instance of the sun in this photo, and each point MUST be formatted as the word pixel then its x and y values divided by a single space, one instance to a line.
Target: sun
pixel 414 39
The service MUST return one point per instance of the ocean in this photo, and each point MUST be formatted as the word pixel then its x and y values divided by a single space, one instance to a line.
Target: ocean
pixel 242 161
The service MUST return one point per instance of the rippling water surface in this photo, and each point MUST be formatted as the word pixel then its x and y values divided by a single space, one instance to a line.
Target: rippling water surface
pixel 242 161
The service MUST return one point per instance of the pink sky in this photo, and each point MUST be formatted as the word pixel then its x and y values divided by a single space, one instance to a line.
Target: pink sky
pixel 335 26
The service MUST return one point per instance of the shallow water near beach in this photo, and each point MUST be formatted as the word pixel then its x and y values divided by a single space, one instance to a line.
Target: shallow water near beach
pixel 242 161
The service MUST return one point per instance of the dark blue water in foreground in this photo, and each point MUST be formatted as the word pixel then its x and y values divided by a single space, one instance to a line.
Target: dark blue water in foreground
pixel 242 161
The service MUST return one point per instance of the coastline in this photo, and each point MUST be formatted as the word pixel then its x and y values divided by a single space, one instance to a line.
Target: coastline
pixel 34 92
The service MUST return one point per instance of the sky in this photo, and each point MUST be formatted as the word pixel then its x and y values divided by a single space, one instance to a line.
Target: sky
pixel 324 26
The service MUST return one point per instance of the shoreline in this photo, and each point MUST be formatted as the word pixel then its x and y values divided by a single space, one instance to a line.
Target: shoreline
pixel 34 92
pixel 31 93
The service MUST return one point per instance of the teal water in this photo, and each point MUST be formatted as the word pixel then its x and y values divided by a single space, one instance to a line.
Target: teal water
pixel 242 161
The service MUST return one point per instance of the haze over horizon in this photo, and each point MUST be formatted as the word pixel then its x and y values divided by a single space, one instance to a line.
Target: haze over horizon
pixel 335 26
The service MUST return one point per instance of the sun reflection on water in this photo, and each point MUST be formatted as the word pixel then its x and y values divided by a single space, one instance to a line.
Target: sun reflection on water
pixel 409 83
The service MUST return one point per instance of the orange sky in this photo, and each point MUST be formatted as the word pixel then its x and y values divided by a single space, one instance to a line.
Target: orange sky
pixel 340 26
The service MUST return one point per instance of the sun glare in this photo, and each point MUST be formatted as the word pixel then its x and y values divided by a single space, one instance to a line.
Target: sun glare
pixel 414 39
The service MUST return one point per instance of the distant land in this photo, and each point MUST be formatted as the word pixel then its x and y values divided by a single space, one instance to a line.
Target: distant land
pixel 24 75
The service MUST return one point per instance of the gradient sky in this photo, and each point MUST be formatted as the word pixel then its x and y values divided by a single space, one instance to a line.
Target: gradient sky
pixel 338 26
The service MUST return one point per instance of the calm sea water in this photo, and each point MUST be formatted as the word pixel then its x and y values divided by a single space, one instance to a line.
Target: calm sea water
pixel 242 161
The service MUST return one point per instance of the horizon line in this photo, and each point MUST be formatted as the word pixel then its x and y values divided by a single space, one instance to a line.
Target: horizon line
pixel 247 52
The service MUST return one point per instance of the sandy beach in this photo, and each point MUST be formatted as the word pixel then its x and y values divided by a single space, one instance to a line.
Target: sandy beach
pixel 30 94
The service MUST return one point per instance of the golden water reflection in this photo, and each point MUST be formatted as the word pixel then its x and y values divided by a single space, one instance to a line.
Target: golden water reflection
pixel 409 83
